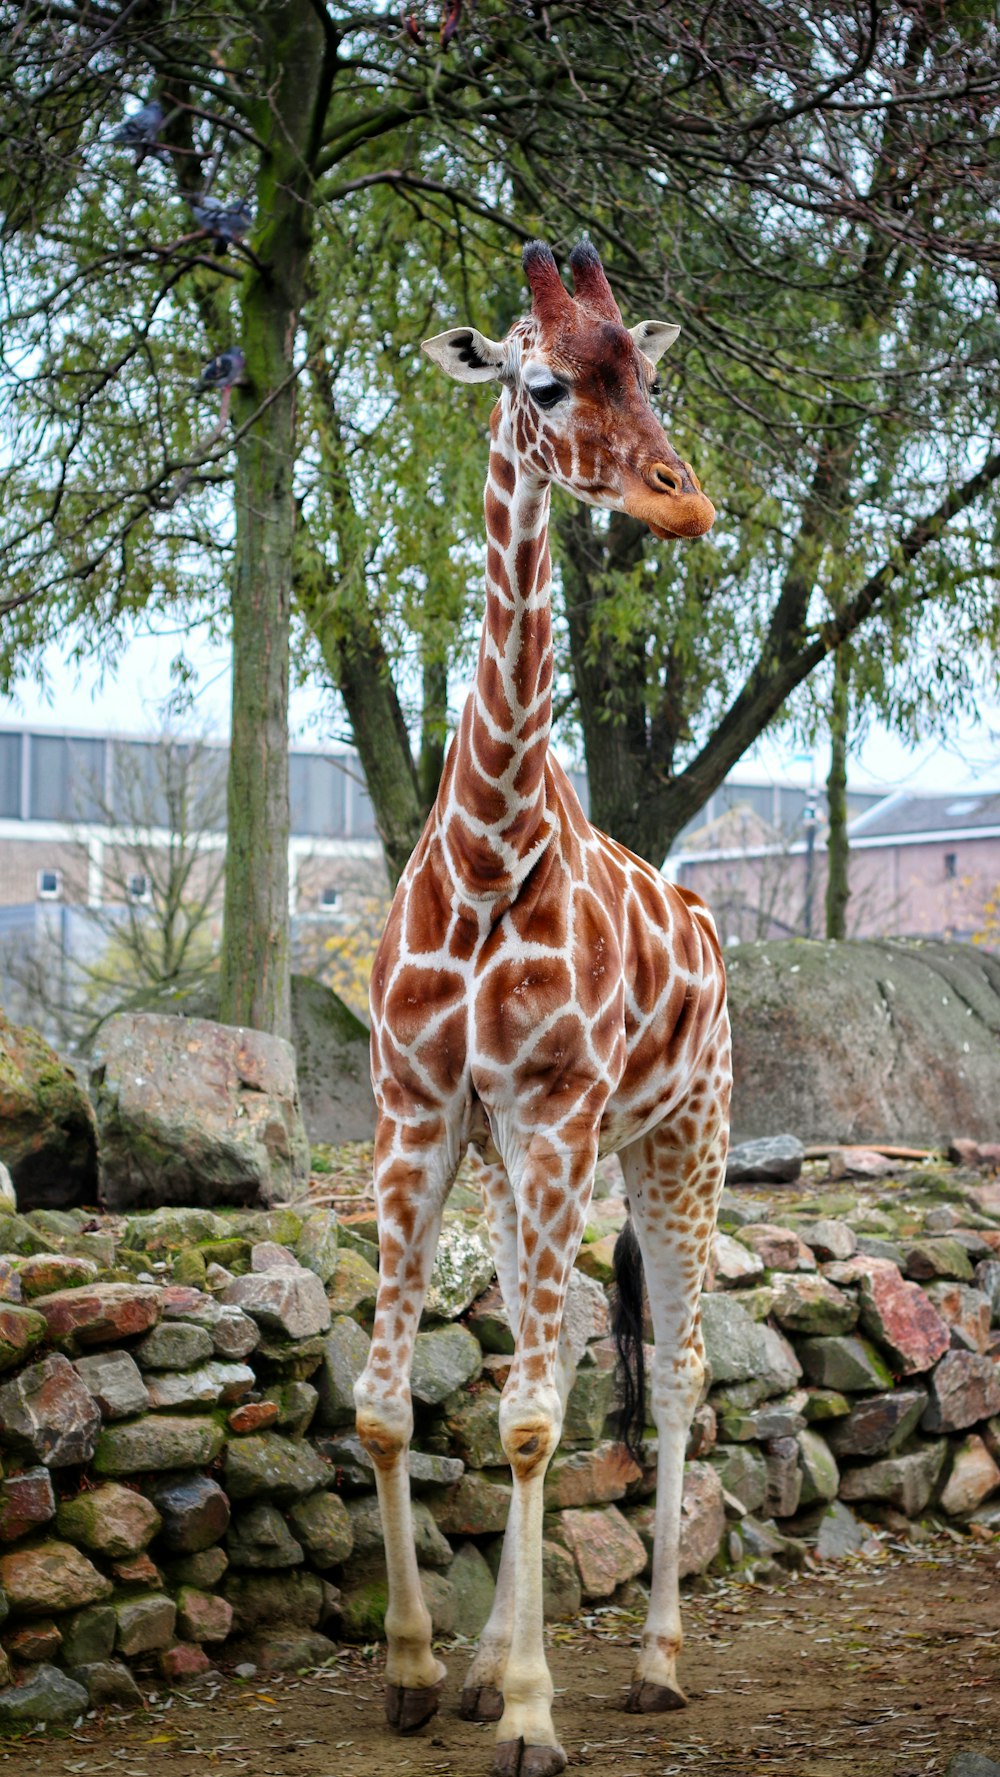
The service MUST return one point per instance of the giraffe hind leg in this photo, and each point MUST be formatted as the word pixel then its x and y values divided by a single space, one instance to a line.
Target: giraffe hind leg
pixel 673 1176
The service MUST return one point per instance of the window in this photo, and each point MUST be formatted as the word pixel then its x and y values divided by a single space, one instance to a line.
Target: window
pixel 10 775
pixel 67 778
pixel 329 898
pixel 49 885
pixel 951 864
pixel 139 887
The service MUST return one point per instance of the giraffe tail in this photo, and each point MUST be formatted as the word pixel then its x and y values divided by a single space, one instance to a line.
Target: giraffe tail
pixel 627 1325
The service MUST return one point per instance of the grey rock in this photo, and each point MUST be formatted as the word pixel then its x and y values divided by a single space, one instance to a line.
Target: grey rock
pixel 839 1532
pixel 47 1696
pixel 316 1247
pixel 213 1109
pixel 107 1683
pixel 268 1465
pixel 233 1334
pixel 88 1636
pixel 443 1360
pixel 296 1402
pixel 743 1474
pixel 739 1348
pixel 829 1239
pixel 145 1625
pixel 965 1387
pixel 291 1303
pixel 114 1380
pixel 206 1386
pixel 157 1442
pixel 334 1068
pixel 427 1469
pixel 173 1345
pixel 988 1280
pixel 48 1141
pixel 463 1266
pixel 972 1764
pixel 784 1477
pixel 586 1315
pixel 843 1361
pixel 294 1597
pixel 195 1512
pixel 49 1413
pixel 322 1524
pixel 270 1255
pixel 474 1587
pixel 864 1040
pixel 905 1480
pixel 874 1247
pixel 261 1538
pixel 879 1424
pixel 769 1159
pixel 818 1465
pixel 345 1354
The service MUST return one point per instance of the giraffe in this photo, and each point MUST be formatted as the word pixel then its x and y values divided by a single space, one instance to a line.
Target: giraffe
pixel 544 997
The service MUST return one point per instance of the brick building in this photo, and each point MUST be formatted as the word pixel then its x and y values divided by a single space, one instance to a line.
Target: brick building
pixel 921 866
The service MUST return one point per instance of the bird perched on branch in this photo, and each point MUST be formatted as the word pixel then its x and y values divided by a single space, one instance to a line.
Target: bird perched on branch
pixel 140 131
pixel 223 373
pixel 227 223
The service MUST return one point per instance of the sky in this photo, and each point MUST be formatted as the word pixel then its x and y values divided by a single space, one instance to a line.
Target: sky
pixel 130 701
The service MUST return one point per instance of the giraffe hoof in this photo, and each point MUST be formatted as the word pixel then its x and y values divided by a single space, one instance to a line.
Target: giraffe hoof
pixel 513 1758
pixel 481 1703
pixel 653 1699
pixel 409 1708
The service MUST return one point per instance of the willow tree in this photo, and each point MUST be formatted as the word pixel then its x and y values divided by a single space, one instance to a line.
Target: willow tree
pixel 814 191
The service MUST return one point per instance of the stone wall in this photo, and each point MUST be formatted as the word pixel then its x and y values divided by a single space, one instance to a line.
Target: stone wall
pixel 182 1485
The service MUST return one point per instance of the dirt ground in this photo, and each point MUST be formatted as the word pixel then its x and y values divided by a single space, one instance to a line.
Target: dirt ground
pixel 881 1668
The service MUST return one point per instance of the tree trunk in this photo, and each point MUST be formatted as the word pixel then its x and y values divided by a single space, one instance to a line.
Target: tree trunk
pixel 255 976
pixel 626 800
pixel 837 848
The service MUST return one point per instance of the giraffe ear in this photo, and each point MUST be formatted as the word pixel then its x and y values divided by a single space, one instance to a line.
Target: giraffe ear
pixel 654 337
pixel 466 355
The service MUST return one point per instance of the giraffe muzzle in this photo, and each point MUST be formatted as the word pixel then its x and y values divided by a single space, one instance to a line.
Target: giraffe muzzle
pixel 668 498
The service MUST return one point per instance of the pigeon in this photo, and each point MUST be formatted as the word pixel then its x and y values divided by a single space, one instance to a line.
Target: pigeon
pixel 141 129
pixel 227 222
pixel 225 370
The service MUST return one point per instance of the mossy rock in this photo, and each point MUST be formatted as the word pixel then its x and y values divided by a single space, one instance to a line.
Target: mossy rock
pixel 48 1137
pixel 364 1607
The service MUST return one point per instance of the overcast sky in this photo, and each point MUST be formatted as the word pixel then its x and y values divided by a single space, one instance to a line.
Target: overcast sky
pixel 130 701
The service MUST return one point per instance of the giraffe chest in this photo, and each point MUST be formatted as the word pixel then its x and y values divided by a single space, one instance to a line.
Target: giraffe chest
pixel 556 1007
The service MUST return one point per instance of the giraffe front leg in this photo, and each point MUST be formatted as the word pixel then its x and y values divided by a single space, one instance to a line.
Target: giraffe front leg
pixel 527 1745
pixel 552 1203
pixel 410 1200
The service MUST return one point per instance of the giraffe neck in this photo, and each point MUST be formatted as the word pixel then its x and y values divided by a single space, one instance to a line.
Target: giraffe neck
pixel 498 824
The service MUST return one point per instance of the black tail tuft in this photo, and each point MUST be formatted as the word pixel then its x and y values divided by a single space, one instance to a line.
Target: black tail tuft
pixel 627 1329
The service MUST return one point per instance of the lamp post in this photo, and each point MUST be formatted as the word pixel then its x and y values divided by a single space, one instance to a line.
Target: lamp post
pixel 810 821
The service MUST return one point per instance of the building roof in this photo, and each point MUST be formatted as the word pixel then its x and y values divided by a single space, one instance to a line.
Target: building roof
pixel 949 814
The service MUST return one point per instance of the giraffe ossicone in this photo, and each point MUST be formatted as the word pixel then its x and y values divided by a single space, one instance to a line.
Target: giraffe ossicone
pixel 542 996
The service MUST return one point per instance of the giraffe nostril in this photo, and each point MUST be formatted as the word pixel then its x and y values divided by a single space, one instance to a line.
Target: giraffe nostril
pixel 665 479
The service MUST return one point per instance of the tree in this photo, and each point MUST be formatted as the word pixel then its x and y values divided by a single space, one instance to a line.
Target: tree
pixel 819 192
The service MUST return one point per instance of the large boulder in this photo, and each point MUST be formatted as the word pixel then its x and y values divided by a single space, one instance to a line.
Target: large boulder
pixel 331 1048
pixel 47 1135
pixel 865 1040
pixel 191 1112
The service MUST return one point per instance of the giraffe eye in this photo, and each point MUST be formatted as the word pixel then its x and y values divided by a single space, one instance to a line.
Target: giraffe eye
pixel 547 394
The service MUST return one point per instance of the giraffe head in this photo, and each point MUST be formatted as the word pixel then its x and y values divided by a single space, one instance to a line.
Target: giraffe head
pixel 575 395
